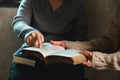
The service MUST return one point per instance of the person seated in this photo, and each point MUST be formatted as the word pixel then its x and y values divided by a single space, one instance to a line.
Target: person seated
pixel 39 21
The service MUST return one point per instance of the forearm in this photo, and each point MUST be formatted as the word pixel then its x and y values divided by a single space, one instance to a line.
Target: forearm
pixel 21 22
pixel 105 43
pixel 78 45
pixel 101 44
pixel 21 29
pixel 106 61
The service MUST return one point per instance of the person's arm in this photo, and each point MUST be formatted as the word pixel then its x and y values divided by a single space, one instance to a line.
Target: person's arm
pixel 21 25
pixel 100 61
pixel 21 22
pixel 107 43
pixel 96 60
pixel 106 61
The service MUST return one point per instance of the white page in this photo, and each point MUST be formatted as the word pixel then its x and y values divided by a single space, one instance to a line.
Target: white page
pixel 46 49
pixel 68 53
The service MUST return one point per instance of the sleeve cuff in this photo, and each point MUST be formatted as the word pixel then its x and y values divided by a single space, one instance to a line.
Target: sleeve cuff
pixel 28 33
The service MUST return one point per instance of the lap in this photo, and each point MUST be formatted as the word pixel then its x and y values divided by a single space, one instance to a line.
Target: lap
pixel 52 72
pixel 58 71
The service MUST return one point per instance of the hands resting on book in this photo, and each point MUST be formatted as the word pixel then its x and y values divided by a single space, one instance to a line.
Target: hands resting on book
pixel 58 43
pixel 88 54
pixel 36 39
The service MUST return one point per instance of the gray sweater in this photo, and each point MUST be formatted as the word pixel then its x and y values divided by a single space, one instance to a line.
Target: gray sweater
pixel 68 22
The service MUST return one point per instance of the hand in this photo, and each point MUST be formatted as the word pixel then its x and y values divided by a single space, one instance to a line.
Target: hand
pixel 89 55
pixel 58 43
pixel 35 39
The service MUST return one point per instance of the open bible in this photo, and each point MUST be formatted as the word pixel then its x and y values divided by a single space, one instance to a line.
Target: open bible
pixel 56 54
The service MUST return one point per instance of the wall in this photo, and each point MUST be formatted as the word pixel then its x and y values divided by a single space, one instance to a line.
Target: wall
pixel 100 14
pixel 8 41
